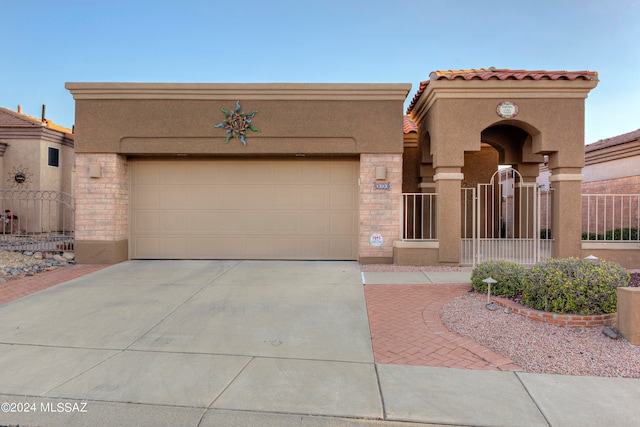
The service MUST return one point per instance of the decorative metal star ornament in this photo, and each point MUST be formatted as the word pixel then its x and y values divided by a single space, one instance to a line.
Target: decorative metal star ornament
pixel 237 124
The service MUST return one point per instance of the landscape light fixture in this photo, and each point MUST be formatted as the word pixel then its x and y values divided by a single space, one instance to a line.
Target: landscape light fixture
pixel 489 281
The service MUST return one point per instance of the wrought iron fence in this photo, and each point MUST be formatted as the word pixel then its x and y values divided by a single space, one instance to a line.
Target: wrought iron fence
pixel 36 220
pixel 419 216
pixel 611 217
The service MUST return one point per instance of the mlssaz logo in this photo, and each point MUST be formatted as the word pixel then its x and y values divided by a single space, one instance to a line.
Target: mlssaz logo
pixel 237 124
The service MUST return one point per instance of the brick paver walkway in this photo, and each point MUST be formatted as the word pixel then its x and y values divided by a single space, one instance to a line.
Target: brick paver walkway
pixel 406 329
pixel 18 288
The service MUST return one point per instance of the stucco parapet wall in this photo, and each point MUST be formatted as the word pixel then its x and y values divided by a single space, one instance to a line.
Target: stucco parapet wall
pixel 233 91
pixel 507 89
pixel 293 119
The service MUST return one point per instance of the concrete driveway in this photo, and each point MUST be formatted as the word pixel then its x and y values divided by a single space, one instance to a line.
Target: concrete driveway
pixel 286 337
pixel 209 343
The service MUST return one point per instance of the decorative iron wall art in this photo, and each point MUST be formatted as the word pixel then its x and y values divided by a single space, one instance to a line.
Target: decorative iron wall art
pixel 237 124
pixel 19 177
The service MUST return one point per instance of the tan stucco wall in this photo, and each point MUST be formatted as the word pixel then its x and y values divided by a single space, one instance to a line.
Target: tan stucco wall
pixel 455 126
pixel 455 117
pixel 32 155
pixel 131 119
pixel 479 166
pixel 619 168
pixel 23 154
pixel 292 118
pixel 625 254
pixel 50 177
pixel 410 164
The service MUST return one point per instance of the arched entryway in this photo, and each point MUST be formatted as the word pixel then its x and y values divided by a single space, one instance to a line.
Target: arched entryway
pixel 501 220
pixel 519 118
pixel 501 199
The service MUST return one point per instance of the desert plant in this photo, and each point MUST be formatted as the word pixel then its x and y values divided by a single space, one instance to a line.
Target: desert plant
pixel 508 275
pixel 573 286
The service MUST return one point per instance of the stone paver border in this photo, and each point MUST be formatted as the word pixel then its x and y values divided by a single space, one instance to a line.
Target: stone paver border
pixel 18 288
pixel 406 329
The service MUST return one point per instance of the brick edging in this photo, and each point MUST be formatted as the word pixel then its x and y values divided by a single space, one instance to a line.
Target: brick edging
pixel 566 320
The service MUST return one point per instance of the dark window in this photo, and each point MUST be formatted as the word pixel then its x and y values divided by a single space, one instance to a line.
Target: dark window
pixel 54 157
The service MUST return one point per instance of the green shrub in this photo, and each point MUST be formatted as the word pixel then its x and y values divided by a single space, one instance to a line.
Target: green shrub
pixel 508 275
pixel 573 286
pixel 616 234
pixel 592 236
pixel 622 234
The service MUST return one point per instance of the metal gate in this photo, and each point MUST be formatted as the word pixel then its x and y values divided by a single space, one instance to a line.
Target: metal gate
pixel 501 220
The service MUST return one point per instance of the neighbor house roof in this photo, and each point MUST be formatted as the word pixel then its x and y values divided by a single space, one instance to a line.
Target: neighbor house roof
pixel 622 146
pixel 9 118
pixel 613 141
pixel 500 74
pixel 14 124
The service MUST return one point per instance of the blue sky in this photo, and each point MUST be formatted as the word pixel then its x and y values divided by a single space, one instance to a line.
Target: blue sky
pixel 48 43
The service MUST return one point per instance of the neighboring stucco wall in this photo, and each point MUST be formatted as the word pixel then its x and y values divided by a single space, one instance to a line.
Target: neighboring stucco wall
pixel 23 155
pixel 68 166
pixel 619 168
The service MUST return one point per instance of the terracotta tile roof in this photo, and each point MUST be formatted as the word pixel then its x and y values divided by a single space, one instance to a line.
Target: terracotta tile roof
pixel 504 74
pixel 10 118
pixel 409 125
pixel 613 141
pixel 500 74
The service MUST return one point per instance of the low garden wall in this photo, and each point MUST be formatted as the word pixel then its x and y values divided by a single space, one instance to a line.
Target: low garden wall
pixel 566 320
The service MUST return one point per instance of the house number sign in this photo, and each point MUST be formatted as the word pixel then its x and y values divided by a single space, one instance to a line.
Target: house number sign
pixel 381 186
pixel 376 239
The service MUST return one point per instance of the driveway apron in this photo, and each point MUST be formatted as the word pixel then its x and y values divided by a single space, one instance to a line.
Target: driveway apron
pixel 268 336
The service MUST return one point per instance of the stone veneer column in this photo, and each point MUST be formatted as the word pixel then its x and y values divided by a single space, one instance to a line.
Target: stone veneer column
pixel 566 212
pixel 102 209
pixel 448 186
pixel 379 209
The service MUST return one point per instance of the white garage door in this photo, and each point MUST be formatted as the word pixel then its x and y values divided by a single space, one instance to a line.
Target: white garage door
pixel 244 209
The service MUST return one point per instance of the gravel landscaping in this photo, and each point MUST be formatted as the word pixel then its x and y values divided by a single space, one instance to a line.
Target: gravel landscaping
pixel 14 265
pixel 535 346
pixel 539 347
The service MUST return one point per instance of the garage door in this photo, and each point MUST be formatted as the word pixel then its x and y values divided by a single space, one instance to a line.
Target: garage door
pixel 244 209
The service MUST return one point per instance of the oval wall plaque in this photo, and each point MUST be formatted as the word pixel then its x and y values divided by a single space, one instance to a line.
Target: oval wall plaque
pixel 507 109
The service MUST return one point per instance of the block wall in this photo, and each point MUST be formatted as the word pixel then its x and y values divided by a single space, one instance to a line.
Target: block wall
pixel 102 202
pixel 379 207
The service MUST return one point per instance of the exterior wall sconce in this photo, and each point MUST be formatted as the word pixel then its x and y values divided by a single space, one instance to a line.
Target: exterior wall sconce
pixel 381 173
